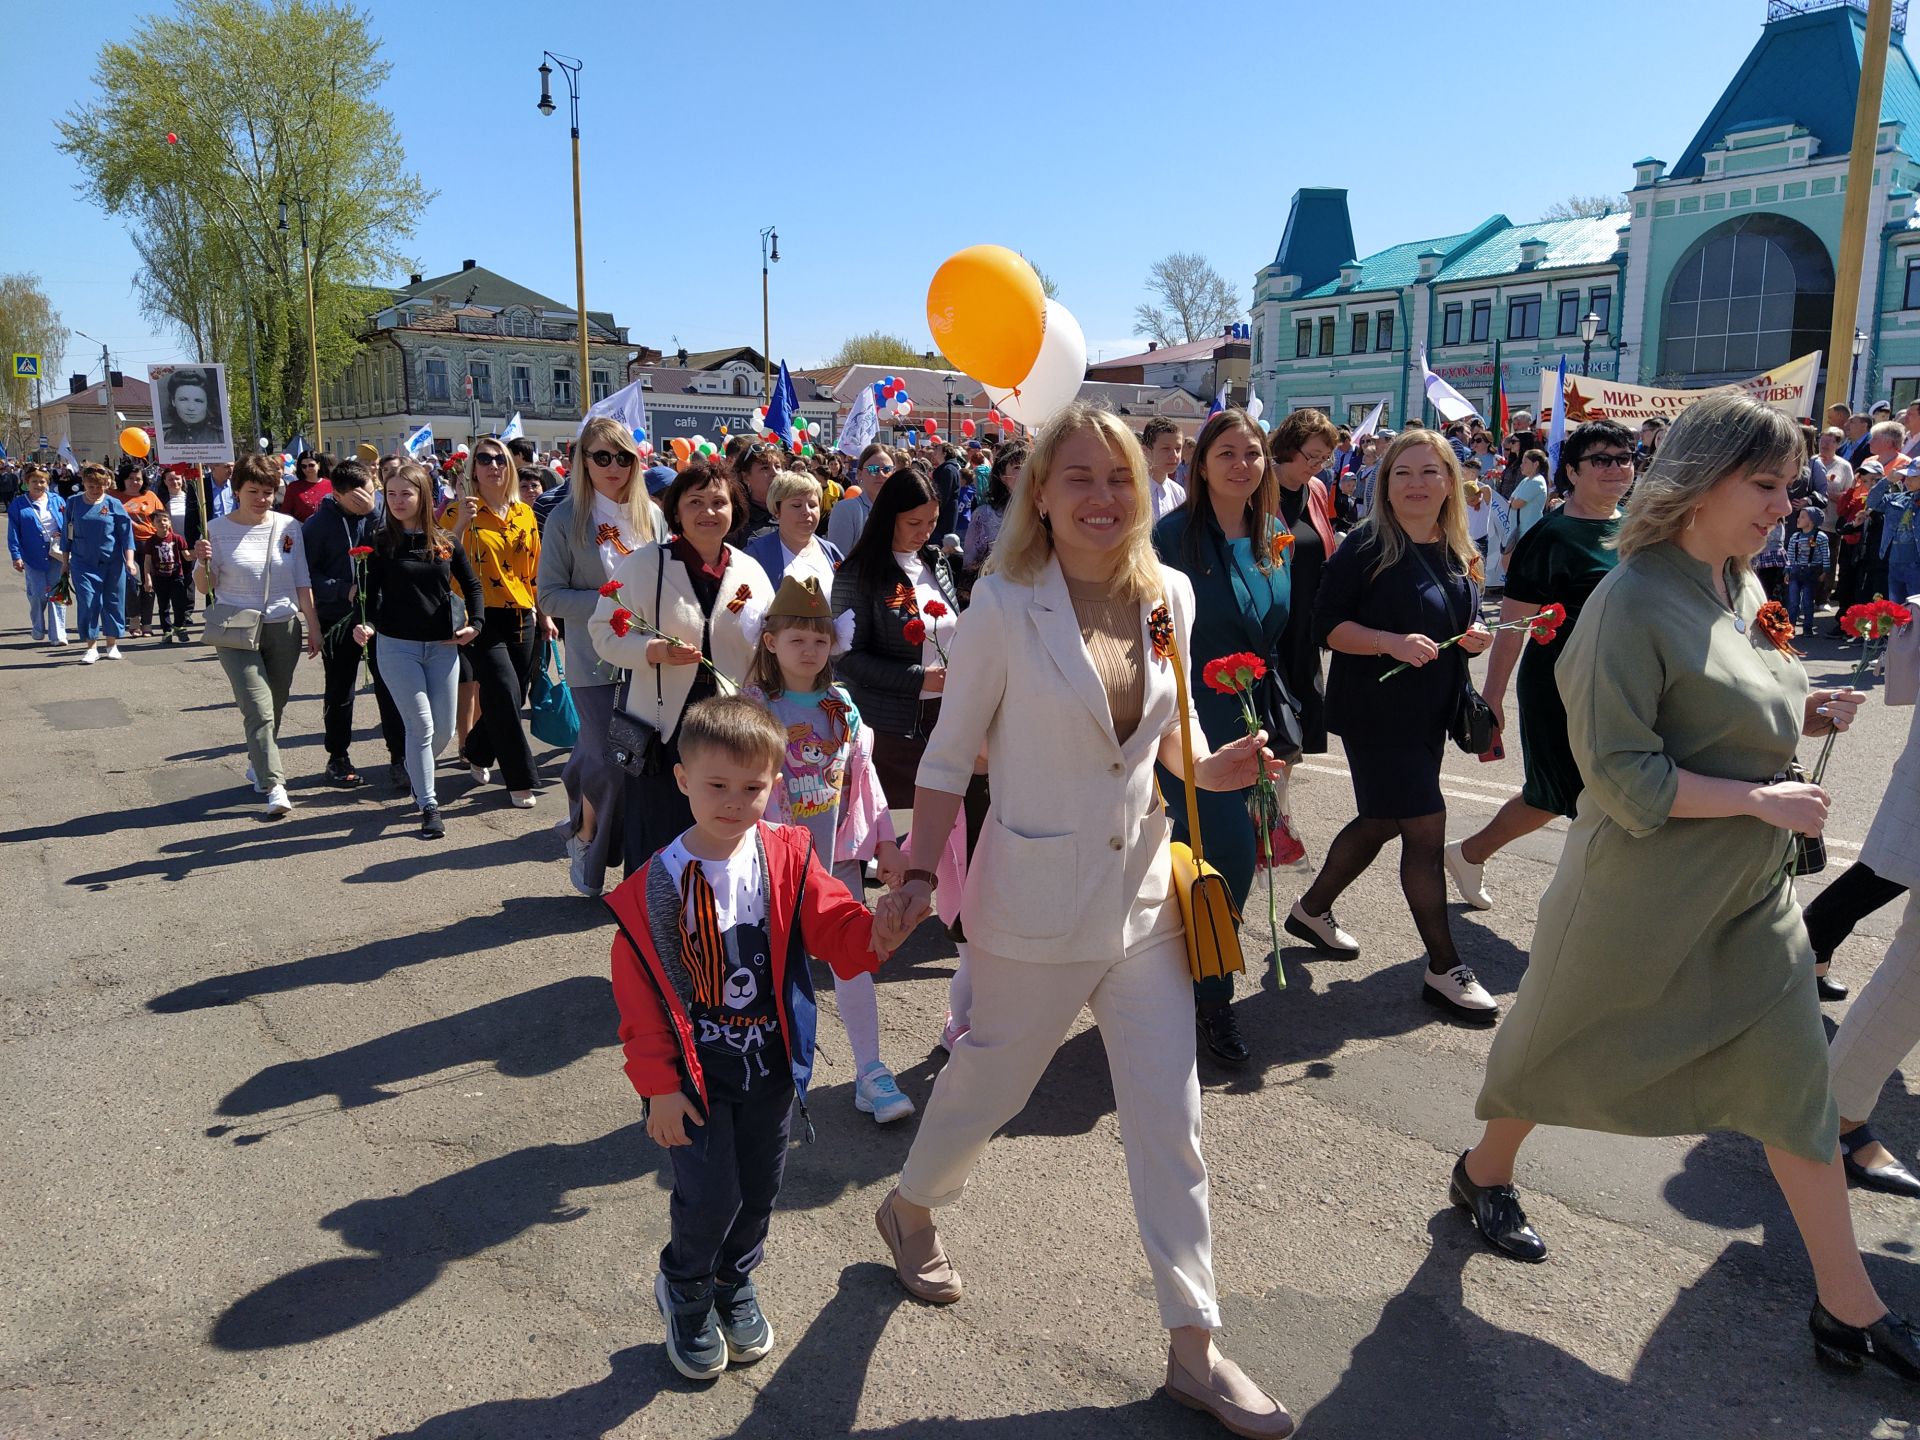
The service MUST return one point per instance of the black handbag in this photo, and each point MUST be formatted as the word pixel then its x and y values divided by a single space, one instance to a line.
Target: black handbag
pixel 1809 851
pixel 1471 724
pixel 633 743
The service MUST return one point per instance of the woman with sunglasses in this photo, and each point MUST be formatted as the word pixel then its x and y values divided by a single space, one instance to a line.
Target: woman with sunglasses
pixel 593 528
pixel 849 516
pixel 502 539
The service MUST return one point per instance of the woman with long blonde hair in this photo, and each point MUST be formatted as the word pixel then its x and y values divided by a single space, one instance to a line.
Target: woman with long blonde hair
pixel 1063 670
pixel 1405 581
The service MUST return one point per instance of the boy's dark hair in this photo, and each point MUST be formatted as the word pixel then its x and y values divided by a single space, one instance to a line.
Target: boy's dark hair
pixel 1155 428
pixel 738 728
pixel 350 475
pixel 521 448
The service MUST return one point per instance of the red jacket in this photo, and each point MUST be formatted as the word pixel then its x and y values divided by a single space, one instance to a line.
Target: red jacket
pixel 808 912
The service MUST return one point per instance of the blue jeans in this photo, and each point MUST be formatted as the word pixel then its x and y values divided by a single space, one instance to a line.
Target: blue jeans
pixel 423 676
pixel 1903 578
pixel 1802 594
pixel 49 621
pixel 100 601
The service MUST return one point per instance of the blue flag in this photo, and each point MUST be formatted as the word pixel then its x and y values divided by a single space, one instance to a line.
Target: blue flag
pixel 783 408
pixel 1559 430
pixel 419 443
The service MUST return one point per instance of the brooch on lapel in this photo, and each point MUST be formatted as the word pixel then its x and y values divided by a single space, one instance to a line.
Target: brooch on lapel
pixel 286 543
pixel 610 535
pixel 1773 622
pixel 739 600
pixel 1160 630
pixel 1281 543
pixel 902 600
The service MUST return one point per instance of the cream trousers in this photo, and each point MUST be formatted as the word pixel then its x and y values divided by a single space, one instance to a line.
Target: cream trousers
pixel 1020 1013
pixel 1882 1026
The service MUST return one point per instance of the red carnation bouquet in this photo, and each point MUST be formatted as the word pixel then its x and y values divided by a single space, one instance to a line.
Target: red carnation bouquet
pixel 1541 627
pixel 342 632
pixel 623 621
pixel 1237 675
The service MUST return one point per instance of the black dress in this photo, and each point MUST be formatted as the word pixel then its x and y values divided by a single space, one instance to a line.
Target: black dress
pixel 1299 648
pixel 1395 730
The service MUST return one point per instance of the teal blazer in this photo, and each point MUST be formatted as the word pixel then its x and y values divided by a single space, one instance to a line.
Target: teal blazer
pixel 1237 607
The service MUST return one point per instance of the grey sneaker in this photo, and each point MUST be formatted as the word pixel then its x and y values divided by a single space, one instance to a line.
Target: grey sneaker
pixel 693 1344
pixel 747 1332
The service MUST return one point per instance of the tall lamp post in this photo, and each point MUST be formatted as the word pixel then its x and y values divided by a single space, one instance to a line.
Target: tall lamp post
pixel 1853 380
pixel 948 380
pixel 570 68
pixel 769 251
pixel 1589 328
pixel 313 329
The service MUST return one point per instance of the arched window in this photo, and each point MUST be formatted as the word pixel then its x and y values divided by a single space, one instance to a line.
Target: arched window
pixel 1750 294
pixel 739 384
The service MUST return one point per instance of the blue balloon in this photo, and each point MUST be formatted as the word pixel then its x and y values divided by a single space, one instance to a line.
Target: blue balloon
pixel 639 433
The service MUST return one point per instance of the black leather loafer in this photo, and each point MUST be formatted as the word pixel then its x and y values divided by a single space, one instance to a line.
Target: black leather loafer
pixel 1220 1033
pixel 1497 1216
pixel 1893 1178
pixel 1830 990
pixel 1890 1341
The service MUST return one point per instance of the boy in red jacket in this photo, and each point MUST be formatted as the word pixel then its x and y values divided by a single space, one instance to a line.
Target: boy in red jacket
pixel 717 1018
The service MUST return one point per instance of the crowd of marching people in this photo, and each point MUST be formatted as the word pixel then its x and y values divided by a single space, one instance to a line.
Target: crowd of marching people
pixel 1061 656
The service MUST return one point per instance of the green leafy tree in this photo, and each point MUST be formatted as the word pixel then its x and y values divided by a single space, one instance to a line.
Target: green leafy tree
pixel 203 123
pixel 1048 286
pixel 28 325
pixel 876 347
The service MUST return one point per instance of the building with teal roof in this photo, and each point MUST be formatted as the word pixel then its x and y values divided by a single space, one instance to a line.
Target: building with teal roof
pixel 1715 269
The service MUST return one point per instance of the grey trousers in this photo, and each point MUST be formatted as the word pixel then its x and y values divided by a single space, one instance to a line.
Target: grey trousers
pixel 261 681
pixel 592 777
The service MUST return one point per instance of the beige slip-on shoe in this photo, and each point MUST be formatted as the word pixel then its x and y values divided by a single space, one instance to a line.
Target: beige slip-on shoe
pixel 1229 1396
pixel 918 1259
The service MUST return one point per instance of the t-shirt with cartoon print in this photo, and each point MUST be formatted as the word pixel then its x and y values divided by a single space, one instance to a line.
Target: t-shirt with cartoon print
pixel 735 1015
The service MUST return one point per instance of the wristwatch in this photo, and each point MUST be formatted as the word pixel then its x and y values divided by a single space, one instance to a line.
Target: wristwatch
pixel 933 880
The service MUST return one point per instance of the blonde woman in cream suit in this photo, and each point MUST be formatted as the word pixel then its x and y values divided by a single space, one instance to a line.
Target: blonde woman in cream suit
pixel 1062 670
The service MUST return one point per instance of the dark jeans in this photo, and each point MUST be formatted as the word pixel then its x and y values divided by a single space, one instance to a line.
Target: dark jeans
pixel 175 596
pixel 502 656
pixel 1833 913
pixel 140 603
pixel 726 1180
pixel 340 662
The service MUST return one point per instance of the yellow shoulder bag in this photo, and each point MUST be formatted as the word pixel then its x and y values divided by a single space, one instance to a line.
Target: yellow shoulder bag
pixel 1207 910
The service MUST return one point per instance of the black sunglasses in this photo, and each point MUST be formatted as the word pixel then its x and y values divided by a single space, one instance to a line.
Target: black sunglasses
pixel 490 458
pixel 611 459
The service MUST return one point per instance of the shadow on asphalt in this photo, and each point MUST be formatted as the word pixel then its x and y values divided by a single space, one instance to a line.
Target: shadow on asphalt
pixel 309 830
pixel 520 917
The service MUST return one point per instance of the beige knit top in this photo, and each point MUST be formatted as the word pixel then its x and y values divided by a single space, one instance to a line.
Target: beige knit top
pixel 1110 629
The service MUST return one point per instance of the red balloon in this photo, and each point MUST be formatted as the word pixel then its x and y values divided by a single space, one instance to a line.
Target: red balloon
pixel 966 428
pixel 930 426
pixel 172 139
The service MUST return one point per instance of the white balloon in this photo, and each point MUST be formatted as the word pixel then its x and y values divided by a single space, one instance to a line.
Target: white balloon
pixel 1057 373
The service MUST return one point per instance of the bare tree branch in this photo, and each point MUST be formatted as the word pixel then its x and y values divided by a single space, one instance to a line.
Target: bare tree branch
pixel 1195 300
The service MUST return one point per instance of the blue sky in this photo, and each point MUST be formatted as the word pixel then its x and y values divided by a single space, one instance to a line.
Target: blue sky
pixel 879 139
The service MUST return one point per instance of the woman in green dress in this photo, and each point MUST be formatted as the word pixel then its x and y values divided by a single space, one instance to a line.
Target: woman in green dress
pixel 1670 990
pixel 1558 561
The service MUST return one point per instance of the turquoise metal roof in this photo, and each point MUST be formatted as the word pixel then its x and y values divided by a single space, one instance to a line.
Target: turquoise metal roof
pixel 1391 269
pixel 1587 241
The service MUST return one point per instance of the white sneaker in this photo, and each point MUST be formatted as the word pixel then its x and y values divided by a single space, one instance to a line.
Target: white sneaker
pixel 876 1093
pixel 1469 879
pixel 481 774
pixel 1323 932
pixel 91 655
pixel 277 802
pixel 576 847
pixel 521 799
pixel 577 873
pixel 950 1034
pixel 1460 993
pixel 113 652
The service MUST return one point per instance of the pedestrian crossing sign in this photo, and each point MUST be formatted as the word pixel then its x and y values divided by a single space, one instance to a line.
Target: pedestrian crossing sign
pixel 26 367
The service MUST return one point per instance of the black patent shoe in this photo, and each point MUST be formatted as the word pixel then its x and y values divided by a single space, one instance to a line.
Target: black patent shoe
pixel 1893 1178
pixel 1890 1341
pixel 1220 1033
pixel 1830 989
pixel 1497 1216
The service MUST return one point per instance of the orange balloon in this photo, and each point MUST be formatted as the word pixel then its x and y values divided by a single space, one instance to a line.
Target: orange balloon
pixel 987 313
pixel 852 492
pixel 136 442
pixel 682 447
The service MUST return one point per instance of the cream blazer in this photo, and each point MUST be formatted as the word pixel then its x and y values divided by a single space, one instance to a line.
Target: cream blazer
pixel 730 644
pixel 1072 862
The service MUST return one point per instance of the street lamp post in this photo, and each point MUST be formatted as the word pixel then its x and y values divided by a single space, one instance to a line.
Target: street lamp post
pixel 948 379
pixel 313 328
pixel 1589 328
pixel 570 67
pixel 766 325
pixel 1853 380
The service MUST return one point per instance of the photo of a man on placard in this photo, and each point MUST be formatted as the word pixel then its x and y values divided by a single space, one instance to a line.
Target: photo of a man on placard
pixel 190 414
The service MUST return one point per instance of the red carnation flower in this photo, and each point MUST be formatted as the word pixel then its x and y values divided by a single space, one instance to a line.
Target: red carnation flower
pixel 1234 674
pixel 620 621
pixel 934 608
pixel 1875 620
pixel 915 630
pixel 611 589
pixel 1546 623
pixel 359 551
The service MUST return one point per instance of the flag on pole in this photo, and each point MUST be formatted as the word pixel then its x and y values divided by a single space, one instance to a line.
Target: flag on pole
pixel 1219 403
pixel 298 448
pixel 863 424
pixel 628 405
pixel 1372 423
pixel 419 443
pixel 1499 419
pixel 513 430
pixel 783 409
pixel 65 452
pixel 1449 402
pixel 1559 430
pixel 1254 407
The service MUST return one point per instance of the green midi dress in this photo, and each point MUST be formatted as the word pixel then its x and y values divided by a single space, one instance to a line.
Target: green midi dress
pixel 1670 990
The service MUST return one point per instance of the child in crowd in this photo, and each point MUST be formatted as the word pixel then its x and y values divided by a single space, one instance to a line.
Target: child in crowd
pixel 1808 558
pixel 827 784
pixel 716 1017
pixel 167 578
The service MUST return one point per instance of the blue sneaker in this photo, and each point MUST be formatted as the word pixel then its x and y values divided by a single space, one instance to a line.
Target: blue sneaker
pixel 877 1094
pixel 693 1344
pixel 747 1332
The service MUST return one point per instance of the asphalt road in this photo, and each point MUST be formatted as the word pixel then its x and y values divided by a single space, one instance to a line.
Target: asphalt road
pixel 319 1130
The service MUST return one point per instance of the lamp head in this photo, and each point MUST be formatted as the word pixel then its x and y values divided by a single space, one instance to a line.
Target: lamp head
pixel 1589 327
pixel 1859 342
pixel 545 102
pixel 775 257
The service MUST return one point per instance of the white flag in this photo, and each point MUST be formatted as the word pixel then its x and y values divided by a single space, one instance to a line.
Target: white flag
pixel 1451 404
pixel 1372 423
pixel 513 430
pixel 628 405
pixel 1254 407
pixel 419 443
pixel 862 424
pixel 66 453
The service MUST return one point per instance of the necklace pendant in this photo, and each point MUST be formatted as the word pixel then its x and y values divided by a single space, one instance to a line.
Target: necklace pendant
pixel 1739 624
